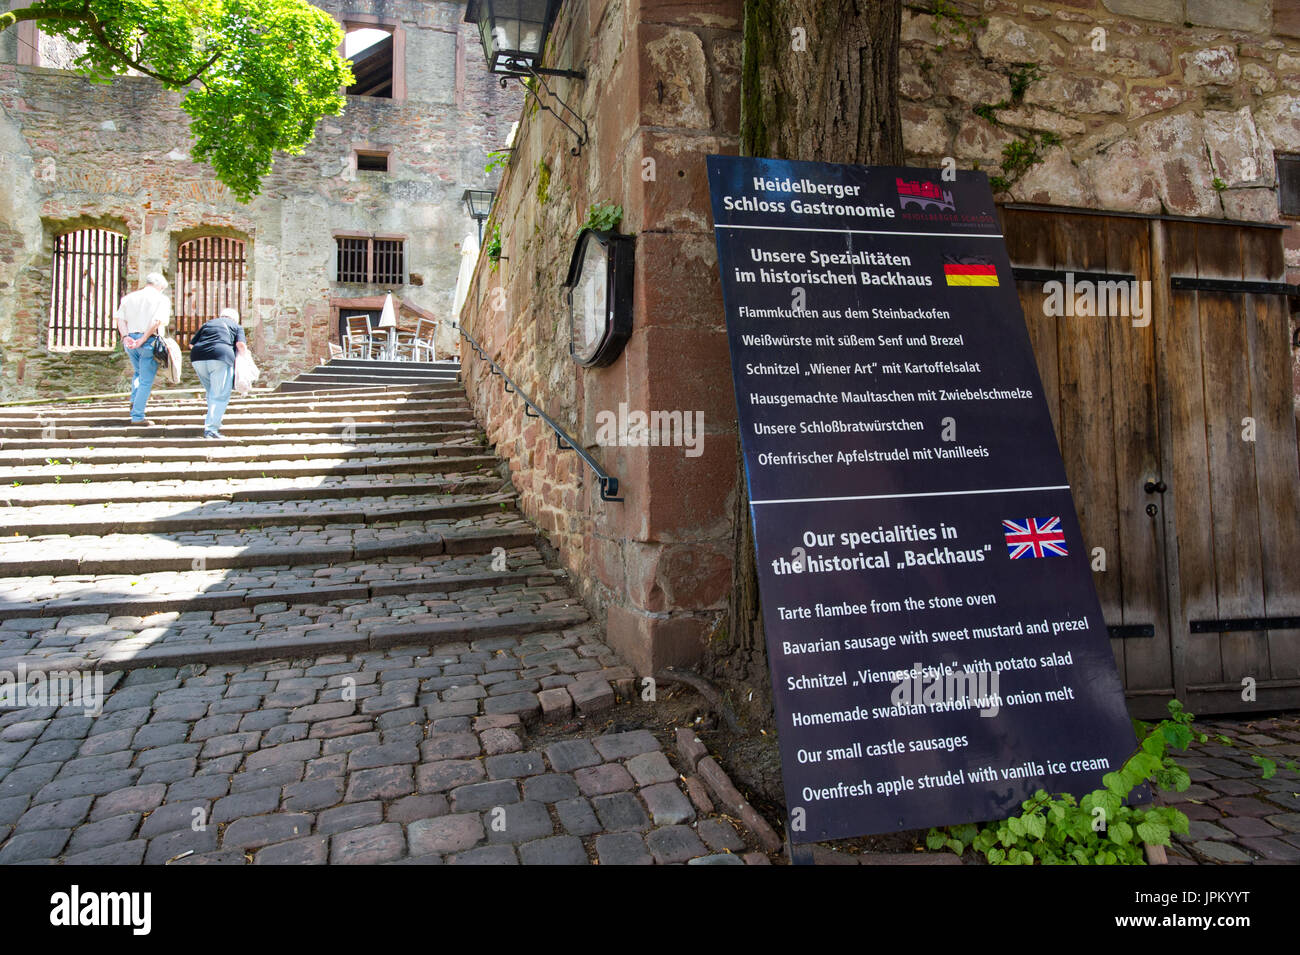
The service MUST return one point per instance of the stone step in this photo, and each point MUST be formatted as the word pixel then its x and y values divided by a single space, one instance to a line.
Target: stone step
pixel 253 489
pixel 461 444
pixel 387 373
pixel 319 388
pixel 32 437
pixel 363 464
pixel 370 434
pixel 335 401
pixel 119 595
pixel 277 628
pixel 315 378
pixel 179 517
pixel 433 410
pixel 310 544
pixel 382 363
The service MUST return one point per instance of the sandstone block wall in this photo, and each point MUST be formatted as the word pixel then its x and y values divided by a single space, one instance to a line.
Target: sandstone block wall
pixel 662 91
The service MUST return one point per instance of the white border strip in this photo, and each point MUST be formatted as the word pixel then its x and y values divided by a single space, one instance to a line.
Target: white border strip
pixel 888 497
pixel 938 235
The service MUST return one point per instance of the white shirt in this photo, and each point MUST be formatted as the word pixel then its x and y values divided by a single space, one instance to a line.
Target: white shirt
pixel 142 307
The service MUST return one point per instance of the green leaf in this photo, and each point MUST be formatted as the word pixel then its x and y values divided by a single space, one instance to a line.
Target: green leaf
pixel 1153 833
pixel 935 840
pixel 1120 832
pixel 996 856
pixel 1268 765
pixel 1036 826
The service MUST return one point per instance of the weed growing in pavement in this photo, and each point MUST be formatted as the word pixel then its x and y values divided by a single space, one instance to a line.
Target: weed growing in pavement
pixel 1097 829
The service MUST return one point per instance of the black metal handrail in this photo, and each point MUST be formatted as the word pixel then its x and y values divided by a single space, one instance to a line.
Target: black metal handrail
pixel 563 442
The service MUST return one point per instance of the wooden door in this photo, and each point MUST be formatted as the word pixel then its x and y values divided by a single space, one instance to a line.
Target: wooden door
pixel 1235 483
pixel 1177 428
pixel 1099 378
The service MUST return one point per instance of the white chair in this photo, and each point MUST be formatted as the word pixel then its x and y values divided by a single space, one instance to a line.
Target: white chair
pixel 423 346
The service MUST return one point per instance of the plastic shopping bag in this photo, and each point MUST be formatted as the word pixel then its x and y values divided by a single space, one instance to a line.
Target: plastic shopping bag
pixel 245 373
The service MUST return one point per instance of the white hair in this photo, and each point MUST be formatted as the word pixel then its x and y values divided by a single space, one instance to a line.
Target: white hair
pixel 156 280
pixel 230 313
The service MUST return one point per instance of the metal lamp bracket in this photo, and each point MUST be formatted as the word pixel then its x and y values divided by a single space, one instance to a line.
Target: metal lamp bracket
pixel 536 74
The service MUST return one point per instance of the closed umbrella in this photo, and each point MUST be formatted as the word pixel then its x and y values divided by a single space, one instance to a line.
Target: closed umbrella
pixel 388 322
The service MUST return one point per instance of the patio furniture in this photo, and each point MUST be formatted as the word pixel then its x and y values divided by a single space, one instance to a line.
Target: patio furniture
pixel 358 341
pixel 422 346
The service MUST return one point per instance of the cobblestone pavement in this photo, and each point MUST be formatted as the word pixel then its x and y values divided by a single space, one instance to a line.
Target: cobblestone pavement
pixel 417 755
pixel 1235 814
pixel 329 637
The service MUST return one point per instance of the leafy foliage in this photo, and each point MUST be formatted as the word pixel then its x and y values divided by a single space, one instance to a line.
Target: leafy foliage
pixel 256 74
pixel 603 217
pixel 1098 829
pixel 1021 77
pixel 499 159
pixel 493 247
pixel 950 24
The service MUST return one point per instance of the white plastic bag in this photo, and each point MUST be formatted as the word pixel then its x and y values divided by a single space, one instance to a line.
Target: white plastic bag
pixel 245 373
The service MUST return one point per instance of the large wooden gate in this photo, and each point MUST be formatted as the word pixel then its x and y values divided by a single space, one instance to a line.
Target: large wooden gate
pixel 1175 418
pixel 211 274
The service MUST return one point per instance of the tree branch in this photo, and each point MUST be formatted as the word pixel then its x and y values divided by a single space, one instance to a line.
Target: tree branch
pixel 11 17
pixel 92 23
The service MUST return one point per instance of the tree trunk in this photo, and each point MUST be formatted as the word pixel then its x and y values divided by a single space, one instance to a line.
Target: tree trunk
pixel 829 94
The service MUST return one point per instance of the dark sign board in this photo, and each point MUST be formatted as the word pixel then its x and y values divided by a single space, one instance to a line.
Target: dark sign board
pixel 937 649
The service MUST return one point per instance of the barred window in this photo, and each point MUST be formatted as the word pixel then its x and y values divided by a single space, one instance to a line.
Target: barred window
pixel 369 261
pixel 89 279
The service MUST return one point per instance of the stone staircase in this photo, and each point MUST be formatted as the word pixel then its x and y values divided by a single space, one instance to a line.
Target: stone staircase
pixel 357 517
pixel 346 373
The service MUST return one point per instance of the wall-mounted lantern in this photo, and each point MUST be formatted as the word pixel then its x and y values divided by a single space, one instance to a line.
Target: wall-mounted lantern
pixel 478 203
pixel 600 296
pixel 514 35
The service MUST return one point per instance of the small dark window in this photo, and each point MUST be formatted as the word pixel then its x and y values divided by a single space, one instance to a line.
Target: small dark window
pixel 1288 179
pixel 371 53
pixel 372 162
pixel 371 261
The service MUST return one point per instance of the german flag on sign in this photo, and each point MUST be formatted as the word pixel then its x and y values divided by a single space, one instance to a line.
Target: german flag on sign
pixel 969 270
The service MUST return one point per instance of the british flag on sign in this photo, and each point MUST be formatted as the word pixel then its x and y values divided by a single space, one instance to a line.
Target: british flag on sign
pixel 1035 537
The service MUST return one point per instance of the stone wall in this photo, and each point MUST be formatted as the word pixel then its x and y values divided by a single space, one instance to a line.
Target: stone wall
pixel 662 91
pixel 1159 106
pixel 73 153
pixel 1174 96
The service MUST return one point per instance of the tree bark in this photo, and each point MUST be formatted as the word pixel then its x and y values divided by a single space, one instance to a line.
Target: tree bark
pixel 833 100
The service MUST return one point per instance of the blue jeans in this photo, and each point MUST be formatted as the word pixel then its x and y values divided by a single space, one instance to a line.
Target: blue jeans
pixel 146 369
pixel 218 379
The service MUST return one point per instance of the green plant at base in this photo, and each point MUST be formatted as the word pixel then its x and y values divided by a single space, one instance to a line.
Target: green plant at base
pixel 1060 830
pixel 603 217
pixel 1218 184
pixel 493 247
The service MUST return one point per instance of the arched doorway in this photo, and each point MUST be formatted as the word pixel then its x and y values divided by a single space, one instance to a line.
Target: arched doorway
pixel 211 274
